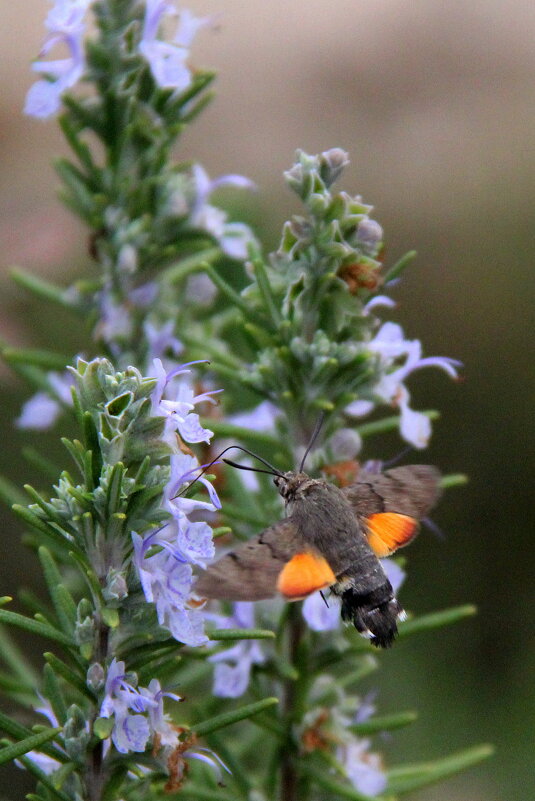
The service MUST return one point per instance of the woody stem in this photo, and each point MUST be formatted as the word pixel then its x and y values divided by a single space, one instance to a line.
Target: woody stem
pixel 292 704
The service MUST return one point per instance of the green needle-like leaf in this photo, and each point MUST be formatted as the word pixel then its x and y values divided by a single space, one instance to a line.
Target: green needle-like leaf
pixel 227 718
pixel 436 620
pixel 384 723
pixel 10 494
pixel 35 627
pixel 41 288
pixel 45 780
pixel 192 791
pixel 410 777
pixel 45 528
pixel 28 744
pixel 68 674
pixel 399 266
pixel 388 424
pixel 63 602
pixel 48 360
pixel 241 634
pixel 14 658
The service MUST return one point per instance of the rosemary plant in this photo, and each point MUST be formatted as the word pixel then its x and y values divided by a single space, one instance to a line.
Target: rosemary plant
pixel 192 333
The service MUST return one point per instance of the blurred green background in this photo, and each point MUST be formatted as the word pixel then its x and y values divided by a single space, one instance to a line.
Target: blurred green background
pixel 435 103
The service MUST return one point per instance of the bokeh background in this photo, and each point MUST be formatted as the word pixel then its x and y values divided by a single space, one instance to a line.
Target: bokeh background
pixel 435 102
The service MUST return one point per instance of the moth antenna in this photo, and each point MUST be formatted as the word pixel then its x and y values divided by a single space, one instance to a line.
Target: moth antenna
pixel 395 459
pixel 253 469
pixel 274 471
pixel 313 439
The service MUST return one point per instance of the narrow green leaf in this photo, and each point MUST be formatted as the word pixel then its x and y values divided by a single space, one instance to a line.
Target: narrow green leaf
pixel 46 359
pixel 221 531
pixel 19 732
pixel 114 491
pixel 35 627
pixel 411 777
pixel 453 480
pixel 396 270
pixel 194 791
pixel 388 424
pixel 92 444
pixel 36 459
pixel 35 522
pixel 231 294
pixel 90 577
pixel 64 605
pixel 270 724
pixel 260 439
pixel 41 288
pixel 189 265
pixel 70 676
pixel 10 493
pixel 436 620
pixel 261 339
pixel 114 783
pixel 79 147
pixel 265 290
pixel 28 744
pixel 384 723
pixel 241 634
pixel 227 718
pixel 45 780
pixel 52 691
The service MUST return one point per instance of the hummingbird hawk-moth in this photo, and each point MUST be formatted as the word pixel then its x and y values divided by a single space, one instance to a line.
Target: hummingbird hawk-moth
pixel 332 538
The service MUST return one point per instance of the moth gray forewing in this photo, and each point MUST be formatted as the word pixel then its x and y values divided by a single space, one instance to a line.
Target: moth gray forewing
pixel 410 490
pixel 250 572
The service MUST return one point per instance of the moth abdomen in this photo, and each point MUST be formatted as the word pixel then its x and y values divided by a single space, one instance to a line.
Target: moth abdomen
pixel 373 614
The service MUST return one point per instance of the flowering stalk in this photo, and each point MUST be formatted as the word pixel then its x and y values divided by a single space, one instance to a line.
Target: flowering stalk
pixel 289 338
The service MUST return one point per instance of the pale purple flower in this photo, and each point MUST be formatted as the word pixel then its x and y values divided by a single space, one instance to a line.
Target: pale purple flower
pixel 115 319
pixel 363 768
pixel 167 582
pixel 394 573
pixel 159 721
pixel 378 301
pixel 234 238
pixel 43 409
pixel 168 61
pixel 399 357
pixel 66 26
pixel 160 340
pixel 233 666
pixel 261 418
pixel 131 729
pixel 176 402
pixel 184 469
pixel 209 758
pixel 186 541
pixel 322 613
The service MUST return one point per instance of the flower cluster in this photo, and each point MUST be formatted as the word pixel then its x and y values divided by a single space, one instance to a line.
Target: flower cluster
pixel 164 558
pixel 66 26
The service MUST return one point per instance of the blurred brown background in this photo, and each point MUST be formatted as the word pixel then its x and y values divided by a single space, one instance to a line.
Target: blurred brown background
pixel 435 102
